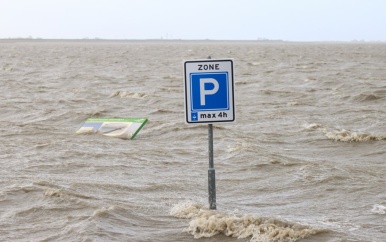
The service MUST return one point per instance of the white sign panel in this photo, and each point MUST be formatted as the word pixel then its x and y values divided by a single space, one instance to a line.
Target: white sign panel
pixel 209 91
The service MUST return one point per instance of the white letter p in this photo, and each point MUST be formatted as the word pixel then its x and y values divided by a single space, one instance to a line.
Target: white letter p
pixel 204 92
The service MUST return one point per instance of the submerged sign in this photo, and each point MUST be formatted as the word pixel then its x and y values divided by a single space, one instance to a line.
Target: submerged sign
pixel 209 91
pixel 125 128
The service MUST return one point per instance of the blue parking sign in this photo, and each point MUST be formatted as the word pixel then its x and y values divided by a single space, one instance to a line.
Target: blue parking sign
pixel 209 91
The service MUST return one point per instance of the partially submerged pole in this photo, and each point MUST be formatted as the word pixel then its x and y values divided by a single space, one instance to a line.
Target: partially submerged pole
pixel 211 171
pixel 209 91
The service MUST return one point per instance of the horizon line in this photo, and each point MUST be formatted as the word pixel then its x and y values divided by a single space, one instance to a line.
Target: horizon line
pixel 206 39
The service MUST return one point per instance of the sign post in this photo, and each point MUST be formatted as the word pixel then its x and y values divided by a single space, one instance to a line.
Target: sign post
pixel 211 171
pixel 209 98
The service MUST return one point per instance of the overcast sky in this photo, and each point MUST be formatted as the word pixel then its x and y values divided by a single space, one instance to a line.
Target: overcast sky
pixel 293 20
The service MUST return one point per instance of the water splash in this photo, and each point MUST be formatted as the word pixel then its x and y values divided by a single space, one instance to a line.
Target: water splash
pixel 125 94
pixel 208 223
pixel 347 136
pixel 379 209
pixel 343 135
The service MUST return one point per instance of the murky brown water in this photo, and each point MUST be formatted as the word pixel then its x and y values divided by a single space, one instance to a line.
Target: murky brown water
pixel 306 157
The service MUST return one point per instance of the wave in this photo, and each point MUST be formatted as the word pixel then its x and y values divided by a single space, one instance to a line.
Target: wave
pixel 347 136
pixel 52 190
pixel 344 135
pixel 379 209
pixel 312 126
pixel 366 97
pixel 208 223
pixel 125 94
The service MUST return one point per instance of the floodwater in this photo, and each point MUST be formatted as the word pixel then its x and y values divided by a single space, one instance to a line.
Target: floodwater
pixel 304 161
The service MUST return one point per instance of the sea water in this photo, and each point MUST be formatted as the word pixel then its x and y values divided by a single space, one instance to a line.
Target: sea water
pixel 304 161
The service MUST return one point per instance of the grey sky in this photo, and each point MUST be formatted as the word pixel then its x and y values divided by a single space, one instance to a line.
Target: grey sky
pixel 294 20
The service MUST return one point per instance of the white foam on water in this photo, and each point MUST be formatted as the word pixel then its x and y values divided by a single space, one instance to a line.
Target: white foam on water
pixel 126 94
pixel 208 223
pixel 379 209
pixel 343 135
pixel 347 136
pixel 312 126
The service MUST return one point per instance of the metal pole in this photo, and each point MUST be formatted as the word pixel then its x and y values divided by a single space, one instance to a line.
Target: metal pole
pixel 211 171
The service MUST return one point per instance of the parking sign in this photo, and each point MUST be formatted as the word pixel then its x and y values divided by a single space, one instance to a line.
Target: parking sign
pixel 209 91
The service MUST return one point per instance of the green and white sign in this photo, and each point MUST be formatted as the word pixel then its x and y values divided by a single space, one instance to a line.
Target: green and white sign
pixel 124 128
